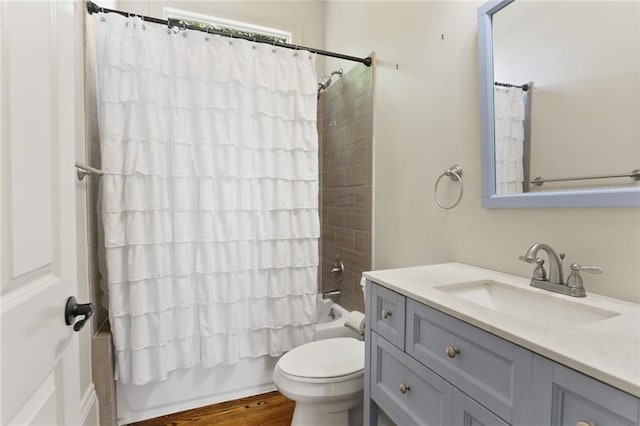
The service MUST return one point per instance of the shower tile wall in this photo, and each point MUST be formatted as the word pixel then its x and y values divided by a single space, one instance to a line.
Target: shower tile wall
pixel 346 133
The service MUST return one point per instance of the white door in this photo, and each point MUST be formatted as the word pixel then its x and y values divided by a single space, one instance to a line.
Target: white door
pixel 38 127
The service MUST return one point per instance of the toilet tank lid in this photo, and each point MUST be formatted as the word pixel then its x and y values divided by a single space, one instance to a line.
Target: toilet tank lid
pixel 326 358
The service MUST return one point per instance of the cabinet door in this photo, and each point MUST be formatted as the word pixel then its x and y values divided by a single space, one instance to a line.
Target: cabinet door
pixel 409 393
pixel 467 412
pixel 581 400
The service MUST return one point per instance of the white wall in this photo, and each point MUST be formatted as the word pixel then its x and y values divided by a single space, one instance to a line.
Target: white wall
pixel 427 118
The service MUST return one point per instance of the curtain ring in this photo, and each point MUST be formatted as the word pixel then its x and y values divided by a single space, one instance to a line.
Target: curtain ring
pixel 454 173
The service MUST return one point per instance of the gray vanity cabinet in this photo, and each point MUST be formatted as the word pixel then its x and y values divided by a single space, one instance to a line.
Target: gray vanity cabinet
pixel 425 367
pixel 583 401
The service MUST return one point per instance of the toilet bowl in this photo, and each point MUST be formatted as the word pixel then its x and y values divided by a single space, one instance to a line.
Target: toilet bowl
pixel 325 378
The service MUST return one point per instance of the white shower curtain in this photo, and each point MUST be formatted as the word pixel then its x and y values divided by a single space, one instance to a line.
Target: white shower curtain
pixel 509 134
pixel 210 196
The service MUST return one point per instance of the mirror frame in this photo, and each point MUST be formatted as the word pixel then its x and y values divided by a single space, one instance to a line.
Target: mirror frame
pixel 609 197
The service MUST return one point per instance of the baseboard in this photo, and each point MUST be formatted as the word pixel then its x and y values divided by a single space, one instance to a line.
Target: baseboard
pixel 89 407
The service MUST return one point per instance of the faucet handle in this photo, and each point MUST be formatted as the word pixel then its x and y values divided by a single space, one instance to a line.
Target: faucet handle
pixel 575 279
pixel 591 269
pixel 539 273
pixel 530 259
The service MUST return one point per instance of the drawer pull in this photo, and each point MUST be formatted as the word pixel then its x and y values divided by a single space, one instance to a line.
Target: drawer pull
pixel 405 389
pixel 386 314
pixel 452 351
pixel 585 423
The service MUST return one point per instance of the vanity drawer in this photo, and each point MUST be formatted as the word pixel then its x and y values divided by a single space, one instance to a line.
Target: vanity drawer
pixel 388 310
pixel 485 367
pixel 427 398
pixel 578 398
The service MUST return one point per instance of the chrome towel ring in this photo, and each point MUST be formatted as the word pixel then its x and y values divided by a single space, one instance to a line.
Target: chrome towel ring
pixel 454 173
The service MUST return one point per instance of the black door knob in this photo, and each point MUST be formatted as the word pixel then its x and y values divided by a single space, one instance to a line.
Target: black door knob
pixel 74 309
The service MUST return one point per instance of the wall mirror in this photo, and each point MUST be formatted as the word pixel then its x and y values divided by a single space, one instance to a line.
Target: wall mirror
pixel 560 93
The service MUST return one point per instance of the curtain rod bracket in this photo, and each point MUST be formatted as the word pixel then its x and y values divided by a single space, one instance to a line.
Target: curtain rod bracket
pixel 92 8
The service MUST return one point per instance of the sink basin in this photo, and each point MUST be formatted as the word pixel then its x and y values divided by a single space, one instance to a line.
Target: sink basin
pixel 526 304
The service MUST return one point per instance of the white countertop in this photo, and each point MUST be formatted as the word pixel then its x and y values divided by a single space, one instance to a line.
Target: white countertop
pixel 608 350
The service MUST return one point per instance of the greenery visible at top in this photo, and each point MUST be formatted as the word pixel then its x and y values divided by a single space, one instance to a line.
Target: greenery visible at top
pixel 232 31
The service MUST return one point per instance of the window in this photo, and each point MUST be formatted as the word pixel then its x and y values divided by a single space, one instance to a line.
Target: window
pixel 228 26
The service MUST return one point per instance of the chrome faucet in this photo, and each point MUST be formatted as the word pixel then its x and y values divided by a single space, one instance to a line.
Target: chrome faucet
pixel 555 263
pixel 555 282
pixel 331 294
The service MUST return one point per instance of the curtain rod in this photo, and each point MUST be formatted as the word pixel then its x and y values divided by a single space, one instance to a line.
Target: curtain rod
pixel 524 87
pixel 94 8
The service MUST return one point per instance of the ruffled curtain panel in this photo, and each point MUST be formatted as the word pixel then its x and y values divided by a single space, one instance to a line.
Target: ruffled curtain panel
pixel 210 197
pixel 509 134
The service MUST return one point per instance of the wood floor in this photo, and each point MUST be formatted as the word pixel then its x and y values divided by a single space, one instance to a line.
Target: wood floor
pixel 269 409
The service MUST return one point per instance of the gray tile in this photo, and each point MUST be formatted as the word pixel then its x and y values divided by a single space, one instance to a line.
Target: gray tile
pixel 329 197
pixel 345 239
pixel 355 262
pixel 334 139
pixel 360 152
pixel 328 235
pixel 329 254
pixel 331 160
pixel 346 161
pixel 325 216
pixel 336 217
pixel 362 242
pixel 361 194
pixel 324 180
pixel 361 128
pixel 363 106
pixel 336 178
pixel 358 175
pixel 345 197
pixel 356 219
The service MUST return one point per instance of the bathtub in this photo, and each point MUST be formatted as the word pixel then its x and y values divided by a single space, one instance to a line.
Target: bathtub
pixel 198 387
pixel 331 318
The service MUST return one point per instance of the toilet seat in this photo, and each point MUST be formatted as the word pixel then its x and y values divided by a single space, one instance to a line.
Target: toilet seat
pixel 323 361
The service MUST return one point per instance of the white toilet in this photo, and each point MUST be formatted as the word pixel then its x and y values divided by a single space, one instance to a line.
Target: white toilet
pixel 326 380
